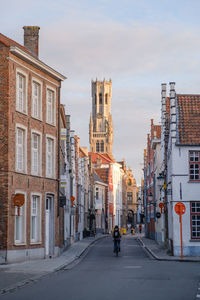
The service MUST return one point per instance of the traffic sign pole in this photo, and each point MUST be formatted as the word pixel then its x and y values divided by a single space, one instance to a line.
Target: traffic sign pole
pixel 181 235
pixel 180 210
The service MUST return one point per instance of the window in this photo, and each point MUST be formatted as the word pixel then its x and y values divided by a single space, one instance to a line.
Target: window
pixel 102 146
pixel 35 219
pixel 21 92
pixel 129 197
pixel 50 116
pixel 95 99
pixel 97 193
pixel 97 146
pixel 106 98
pixel 36 154
pixel 100 98
pixel 20 149
pixel 36 100
pixel 195 220
pixel 194 165
pixel 50 157
pixel 20 232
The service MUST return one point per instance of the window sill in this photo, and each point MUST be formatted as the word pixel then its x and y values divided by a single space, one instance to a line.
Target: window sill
pixel 21 172
pixel 19 244
pixel 51 124
pixel 35 243
pixel 36 175
pixel 195 240
pixel 35 118
pixel 50 177
pixel 21 112
pixel 194 181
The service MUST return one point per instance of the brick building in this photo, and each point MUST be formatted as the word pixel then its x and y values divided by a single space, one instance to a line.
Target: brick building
pixel 29 135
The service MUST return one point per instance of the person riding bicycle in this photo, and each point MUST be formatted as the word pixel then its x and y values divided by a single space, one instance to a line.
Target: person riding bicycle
pixel 116 237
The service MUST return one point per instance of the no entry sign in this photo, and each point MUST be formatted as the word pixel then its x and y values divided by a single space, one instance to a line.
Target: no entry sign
pixel 180 210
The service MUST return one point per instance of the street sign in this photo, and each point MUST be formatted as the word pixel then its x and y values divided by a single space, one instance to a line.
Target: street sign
pixel 180 210
pixel 161 205
pixel 18 201
pixel 62 201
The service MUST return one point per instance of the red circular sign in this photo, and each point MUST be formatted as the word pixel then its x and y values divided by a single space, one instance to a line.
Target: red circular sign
pixel 161 204
pixel 18 200
pixel 180 208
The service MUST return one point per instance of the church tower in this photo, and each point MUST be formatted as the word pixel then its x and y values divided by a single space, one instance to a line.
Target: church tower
pixel 101 126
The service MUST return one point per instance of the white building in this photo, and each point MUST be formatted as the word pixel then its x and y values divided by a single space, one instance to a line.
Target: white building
pixel 182 172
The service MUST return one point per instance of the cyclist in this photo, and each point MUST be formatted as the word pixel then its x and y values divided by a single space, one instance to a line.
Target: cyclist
pixel 116 237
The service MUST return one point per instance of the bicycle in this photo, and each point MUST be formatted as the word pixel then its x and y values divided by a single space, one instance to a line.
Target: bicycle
pixel 116 247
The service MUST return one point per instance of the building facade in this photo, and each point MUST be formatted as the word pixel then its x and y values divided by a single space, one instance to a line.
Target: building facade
pixel 30 99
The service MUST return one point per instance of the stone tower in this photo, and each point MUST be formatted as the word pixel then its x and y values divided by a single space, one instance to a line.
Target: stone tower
pixel 101 126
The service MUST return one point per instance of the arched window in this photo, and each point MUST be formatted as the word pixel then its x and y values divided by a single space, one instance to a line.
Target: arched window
pixel 95 99
pixel 106 98
pixel 100 98
pixel 102 146
pixel 97 146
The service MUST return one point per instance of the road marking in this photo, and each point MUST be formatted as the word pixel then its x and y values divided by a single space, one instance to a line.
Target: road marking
pixel 133 267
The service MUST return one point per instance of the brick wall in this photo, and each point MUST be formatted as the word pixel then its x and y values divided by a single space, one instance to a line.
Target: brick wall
pixel 4 85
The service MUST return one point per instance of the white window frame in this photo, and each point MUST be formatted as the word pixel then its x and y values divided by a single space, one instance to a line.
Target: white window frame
pixel 53 123
pixel 25 75
pixel 38 240
pixel 48 136
pixel 37 81
pixel 22 127
pixel 23 240
pixel 33 131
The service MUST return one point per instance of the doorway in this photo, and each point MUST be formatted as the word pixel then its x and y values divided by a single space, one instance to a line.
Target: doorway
pixel 49 226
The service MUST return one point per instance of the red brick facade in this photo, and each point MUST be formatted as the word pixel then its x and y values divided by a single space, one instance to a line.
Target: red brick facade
pixel 10 179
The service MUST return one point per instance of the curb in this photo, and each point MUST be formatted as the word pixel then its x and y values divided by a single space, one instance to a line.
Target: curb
pixel 33 279
pixel 164 258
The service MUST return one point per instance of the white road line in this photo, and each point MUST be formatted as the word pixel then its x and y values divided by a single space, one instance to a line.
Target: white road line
pixel 132 267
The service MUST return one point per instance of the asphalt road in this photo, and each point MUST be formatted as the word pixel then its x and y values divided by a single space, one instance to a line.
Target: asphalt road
pixel 102 276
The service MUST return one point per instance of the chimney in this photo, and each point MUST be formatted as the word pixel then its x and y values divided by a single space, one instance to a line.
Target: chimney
pixel 31 39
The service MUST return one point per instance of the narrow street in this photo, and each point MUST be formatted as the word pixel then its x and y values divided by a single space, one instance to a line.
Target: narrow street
pixel 101 275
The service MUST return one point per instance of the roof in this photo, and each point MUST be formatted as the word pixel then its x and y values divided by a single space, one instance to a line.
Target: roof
pixel 96 177
pixel 9 42
pixel 22 52
pixel 83 152
pixel 105 158
pixel 103 174
pixel 188 119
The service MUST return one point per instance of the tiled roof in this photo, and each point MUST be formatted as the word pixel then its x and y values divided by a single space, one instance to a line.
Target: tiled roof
pixel 9 42
pixel 105 158
pixel 188 119
pixel 103 174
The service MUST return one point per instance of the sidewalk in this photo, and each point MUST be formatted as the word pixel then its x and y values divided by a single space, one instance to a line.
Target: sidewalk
pixel 159 252
pixel 16 275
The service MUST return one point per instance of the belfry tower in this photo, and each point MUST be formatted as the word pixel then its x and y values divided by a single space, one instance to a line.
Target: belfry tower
pixel 101 126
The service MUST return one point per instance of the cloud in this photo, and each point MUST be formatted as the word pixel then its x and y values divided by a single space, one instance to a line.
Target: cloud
pixel 89 39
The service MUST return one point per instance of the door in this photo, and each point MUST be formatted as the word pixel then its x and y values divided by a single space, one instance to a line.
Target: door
pixel 49 226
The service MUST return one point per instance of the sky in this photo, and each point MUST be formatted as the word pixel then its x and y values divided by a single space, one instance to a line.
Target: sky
pixel 138 44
